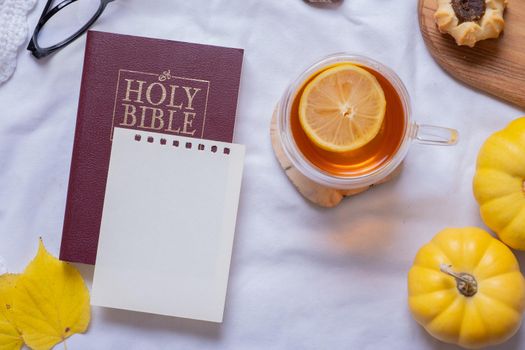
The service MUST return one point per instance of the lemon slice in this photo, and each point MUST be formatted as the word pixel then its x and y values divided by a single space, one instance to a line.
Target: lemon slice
pixel 342 108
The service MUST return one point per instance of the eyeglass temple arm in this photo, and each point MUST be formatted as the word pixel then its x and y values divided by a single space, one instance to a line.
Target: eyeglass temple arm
pixel 46 15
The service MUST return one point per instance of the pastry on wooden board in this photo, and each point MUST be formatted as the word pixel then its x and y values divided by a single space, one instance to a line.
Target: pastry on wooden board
pixel 470 21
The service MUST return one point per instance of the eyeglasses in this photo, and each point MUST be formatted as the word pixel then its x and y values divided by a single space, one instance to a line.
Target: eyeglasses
pixel 63 24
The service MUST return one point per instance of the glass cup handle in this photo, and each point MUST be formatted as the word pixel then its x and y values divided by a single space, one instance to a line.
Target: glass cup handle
pixel 435 135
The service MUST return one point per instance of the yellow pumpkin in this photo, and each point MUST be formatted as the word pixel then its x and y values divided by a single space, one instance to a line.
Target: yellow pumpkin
pixel 466 288
pixel 499 183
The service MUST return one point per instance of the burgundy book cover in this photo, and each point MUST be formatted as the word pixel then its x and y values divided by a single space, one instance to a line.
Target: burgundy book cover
pixel 145 84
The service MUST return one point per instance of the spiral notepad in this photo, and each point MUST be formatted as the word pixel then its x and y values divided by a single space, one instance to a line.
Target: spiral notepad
pixel 168 225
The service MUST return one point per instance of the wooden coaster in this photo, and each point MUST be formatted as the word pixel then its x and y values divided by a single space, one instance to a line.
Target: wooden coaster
pixel 318 194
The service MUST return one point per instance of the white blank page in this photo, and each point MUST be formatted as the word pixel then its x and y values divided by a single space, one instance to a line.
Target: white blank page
pixel 168 224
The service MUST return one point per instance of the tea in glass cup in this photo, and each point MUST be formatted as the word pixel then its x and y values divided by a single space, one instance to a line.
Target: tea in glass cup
pixel 346 123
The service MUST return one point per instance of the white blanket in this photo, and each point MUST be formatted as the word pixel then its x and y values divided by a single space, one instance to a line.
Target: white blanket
pixel 301 277
pixel 13 32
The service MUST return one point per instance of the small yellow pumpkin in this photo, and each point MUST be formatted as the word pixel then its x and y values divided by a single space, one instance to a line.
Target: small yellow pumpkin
pixel 499 183
pixel 466 288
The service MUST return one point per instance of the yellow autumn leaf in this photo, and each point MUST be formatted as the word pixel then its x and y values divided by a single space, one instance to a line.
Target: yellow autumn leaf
pixel 51 301
pixel 10 338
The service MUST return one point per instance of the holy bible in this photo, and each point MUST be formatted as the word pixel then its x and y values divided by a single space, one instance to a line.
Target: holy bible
pixel 145 84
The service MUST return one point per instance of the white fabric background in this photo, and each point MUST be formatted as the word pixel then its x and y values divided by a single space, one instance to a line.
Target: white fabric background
pixel 301 277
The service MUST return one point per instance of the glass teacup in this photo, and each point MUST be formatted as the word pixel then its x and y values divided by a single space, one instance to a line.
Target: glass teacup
pixel 370 163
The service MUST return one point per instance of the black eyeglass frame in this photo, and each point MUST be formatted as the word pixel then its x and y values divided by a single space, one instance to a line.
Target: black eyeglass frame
pixel 40 52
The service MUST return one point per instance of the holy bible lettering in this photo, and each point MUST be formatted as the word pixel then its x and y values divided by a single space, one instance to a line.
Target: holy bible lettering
pixel 174 106
pixel 142 101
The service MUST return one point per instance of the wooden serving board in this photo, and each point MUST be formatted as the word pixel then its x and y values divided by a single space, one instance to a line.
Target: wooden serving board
pixel 318 194
pixel 496 66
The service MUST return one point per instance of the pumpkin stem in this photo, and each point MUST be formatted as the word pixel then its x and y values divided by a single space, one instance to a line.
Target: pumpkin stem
pixel 466 283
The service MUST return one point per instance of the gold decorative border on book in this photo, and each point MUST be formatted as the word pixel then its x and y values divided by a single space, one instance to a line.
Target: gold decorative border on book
pixel 167 75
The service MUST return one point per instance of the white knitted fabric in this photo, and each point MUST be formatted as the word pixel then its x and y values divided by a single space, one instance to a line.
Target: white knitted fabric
pixel 13 33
